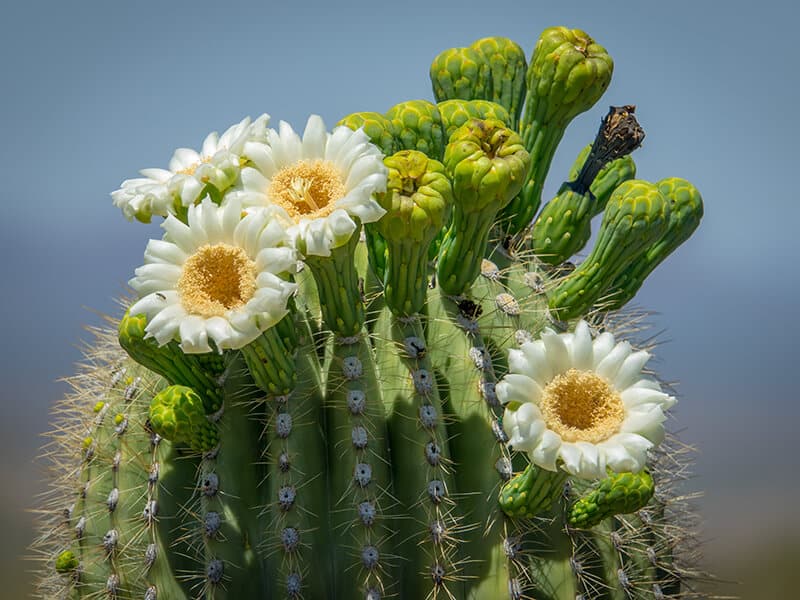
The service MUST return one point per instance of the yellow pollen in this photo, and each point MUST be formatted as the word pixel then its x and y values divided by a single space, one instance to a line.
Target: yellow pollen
pixel 192 168
pixel 216 279
pixel 582 407
pixel 307 188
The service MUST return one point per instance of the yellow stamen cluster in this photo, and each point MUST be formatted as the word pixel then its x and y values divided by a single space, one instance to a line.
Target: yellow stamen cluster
pixel 581 406
pixel 307 188
pixel 216 279
pixel 190 170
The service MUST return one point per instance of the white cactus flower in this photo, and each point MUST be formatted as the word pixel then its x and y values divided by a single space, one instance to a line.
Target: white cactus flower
pixel 322 182
pixel 220 278
pixel 218 164
pixel 582 404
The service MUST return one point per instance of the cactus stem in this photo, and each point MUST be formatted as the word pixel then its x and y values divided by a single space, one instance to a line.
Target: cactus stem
pixel 358 464
pixel 338 287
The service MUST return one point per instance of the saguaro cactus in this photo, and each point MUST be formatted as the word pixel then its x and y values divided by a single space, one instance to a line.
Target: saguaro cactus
pixel 353 371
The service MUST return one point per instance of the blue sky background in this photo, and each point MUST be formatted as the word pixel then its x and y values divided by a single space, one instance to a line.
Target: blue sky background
pixel 93 91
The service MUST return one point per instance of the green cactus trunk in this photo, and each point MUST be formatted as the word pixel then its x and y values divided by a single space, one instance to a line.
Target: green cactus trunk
pixel 358 448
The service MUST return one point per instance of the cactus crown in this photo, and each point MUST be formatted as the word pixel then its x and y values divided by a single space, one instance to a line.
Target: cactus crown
pixel 439 408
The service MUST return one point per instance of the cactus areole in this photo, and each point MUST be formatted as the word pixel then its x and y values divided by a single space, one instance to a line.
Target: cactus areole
pixel 359 365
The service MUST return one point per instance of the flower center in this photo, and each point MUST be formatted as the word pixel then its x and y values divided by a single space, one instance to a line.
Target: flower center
pixel 307 188
pixel 582 407
pixel 216 279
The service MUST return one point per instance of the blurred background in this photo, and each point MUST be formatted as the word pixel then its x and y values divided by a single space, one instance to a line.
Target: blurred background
pixel 93 91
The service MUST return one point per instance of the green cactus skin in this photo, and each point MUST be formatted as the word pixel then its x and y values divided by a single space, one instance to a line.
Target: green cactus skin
pixel 563 227
pixel 483 552
pixel 636 216
pixel 568 74
pixel 336 279
pixel 620 493
pixel 686 210
pixel 356 449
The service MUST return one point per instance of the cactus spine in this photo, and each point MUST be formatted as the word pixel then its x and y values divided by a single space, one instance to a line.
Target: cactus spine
pixel 293 411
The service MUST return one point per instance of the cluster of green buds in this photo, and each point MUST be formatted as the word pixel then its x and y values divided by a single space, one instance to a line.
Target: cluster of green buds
pixel 360 366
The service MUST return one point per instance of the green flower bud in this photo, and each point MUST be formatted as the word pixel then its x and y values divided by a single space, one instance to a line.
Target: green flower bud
pixel 177 414
pixel 619 494
pixel 635 218
pixel 456 113
pixel 567 75
pixel 461 73
pixel 376 126
pixel 531 492
pixel 507 68
pixel 686 210
pixel 417 201
pixel 66 562
pixel 487 162
pixel 417 125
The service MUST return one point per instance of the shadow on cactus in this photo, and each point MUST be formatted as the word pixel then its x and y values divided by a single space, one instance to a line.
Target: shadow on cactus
pixel 358 367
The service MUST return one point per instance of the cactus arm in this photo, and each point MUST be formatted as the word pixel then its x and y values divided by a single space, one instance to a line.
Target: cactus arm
pixel 297 533
pixel 233 567
pixel 568 73
pixel 100 542
pixel 284 366
pixel 357 453
pixel 360 494
pixel 421 465
pixel 171 478
pixel 145 513
pixel 462 359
